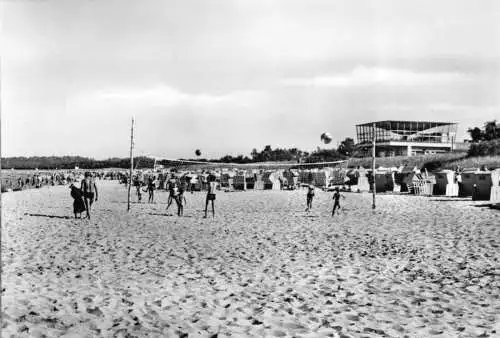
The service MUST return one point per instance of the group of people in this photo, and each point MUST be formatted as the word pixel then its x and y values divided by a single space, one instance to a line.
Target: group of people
pixel 84 197
pixel 176 193
pixel 34 181
pixel 336 199
pixel 40 179
pixel 150 189
pixel 87 193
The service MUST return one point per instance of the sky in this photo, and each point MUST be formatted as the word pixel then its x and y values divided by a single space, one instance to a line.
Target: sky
pixel 227 76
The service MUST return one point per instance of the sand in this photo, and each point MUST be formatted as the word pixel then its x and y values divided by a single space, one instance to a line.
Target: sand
pixel 415 267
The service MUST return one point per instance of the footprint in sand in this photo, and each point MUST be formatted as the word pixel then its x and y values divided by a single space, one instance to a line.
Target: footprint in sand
pixel 354 318
pixel 95 311
pixel 278 333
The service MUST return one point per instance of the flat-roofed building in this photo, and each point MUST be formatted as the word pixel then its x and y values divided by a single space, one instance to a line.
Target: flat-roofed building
pixel 408 138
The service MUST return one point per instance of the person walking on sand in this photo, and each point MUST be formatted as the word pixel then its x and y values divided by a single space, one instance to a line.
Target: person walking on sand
pixel 78 202
pixel 173 191
pixel 309 197
pixel 336 200
pixel 89 189
pixel 212 186
pixel 151 189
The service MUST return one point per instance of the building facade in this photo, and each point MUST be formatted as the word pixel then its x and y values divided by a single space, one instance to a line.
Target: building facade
pixel 407 138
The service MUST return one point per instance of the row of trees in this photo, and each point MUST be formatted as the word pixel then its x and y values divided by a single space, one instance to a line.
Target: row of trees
pixel 491 131
pixel 70 162
pixel 268 154
pixel 485 141
pixel 345 149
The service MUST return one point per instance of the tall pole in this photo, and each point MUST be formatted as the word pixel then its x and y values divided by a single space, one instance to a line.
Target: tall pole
pixel 131 163
pixel 374 186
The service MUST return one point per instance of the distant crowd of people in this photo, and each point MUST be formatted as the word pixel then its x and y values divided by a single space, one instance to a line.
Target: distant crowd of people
pixel 38 180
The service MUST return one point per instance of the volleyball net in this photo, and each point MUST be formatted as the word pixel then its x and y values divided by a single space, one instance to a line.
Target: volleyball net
pixel 320 174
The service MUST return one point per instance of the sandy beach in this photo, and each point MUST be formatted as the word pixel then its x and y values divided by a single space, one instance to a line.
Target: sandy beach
pixel 415 267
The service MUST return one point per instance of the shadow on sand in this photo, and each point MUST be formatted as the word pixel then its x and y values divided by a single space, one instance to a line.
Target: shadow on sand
pixel 49 216
pixel 488 205
pixel 456 199
pixel 168 215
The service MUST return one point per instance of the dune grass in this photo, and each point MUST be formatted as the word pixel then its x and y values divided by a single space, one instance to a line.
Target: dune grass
pixel 431 162
pixel 490 162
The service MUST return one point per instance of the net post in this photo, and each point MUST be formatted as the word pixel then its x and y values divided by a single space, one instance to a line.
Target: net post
pixel 374 186
pixel 131 163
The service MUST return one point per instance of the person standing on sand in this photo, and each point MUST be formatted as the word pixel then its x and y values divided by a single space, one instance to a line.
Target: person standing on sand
pixel 151 189
pixel 336 200
pixel 183 187
pixel 173 191
pixel 212 186
pixel 78 203
pixel 89 189
pixel 137 184
pixel 180 199
pixel 310 196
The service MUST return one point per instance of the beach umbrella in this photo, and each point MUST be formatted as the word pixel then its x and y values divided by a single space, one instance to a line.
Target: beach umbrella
pixel 326 138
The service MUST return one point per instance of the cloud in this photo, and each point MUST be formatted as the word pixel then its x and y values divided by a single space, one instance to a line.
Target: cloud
pixel 365 76
pixel 166 96
pixel 440 107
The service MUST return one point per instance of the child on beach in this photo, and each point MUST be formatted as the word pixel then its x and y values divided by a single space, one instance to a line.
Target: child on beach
pixel 336 200
pixel 310 196
pixel 78 203
pixel 212 186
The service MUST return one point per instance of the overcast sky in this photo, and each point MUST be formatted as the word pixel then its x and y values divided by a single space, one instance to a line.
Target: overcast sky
pixel 229 76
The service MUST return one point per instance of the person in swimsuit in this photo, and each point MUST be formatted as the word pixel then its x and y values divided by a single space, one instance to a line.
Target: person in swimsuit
pixel 137 185
pixel 310 196
pixel 180 199
pixel 151 189
pixel 336 200
pixel 212 186
pixel 89 189
pixel 173 191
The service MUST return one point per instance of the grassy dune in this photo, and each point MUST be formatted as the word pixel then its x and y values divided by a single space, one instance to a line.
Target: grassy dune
pixel 431 162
